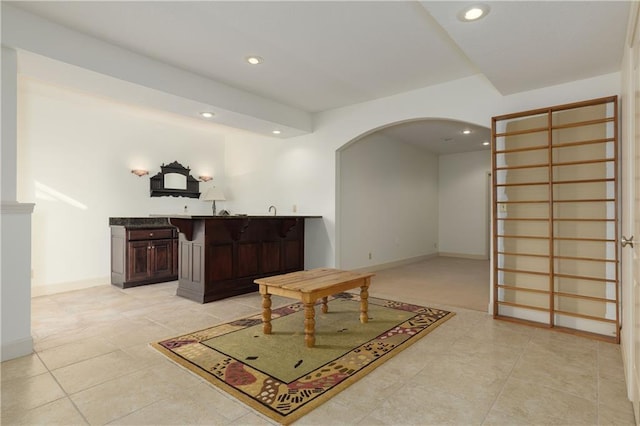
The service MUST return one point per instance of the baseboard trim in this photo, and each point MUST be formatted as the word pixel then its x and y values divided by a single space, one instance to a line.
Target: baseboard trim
pixel 395 263
pixel 463 255
pixel 45 290
pixel 16 349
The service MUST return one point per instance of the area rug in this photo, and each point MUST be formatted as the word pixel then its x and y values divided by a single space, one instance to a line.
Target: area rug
pixel 278 375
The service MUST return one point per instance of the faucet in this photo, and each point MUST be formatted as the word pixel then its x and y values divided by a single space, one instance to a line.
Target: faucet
pixel 275 211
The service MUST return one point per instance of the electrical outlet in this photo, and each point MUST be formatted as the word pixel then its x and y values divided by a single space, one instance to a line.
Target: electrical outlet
pixel 369 255
pixel 294 208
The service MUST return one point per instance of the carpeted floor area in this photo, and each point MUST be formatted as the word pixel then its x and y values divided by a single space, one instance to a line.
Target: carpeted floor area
pixel 441 280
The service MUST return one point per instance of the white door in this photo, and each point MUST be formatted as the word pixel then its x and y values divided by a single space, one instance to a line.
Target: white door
pixel 633 210
pixel 630 256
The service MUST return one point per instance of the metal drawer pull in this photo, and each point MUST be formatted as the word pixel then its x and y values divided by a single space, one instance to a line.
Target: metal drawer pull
pixel 626 241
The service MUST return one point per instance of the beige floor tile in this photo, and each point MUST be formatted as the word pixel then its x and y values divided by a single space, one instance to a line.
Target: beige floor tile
pixel 25 366
pixel 177 375
pixel 98 315
pixel 333 413
pixel 573 380
pixel 183 321
pixel 193 406
pixel 369 392
pixel 30 392
pixel 483 370
pixel 459 374
pixel 564 362
pixel 499 418
pixel 56 323
pixel 60 412
pixel 229 311
pixel 50 341
pixel 155 304
pixel 486 354
pixel 71 353
pixel 85 374
pixel 140 331
pixel 414 405
pixel 612 393
pixel 609 416
pixel 404 365
pixel 145 354
pixel 253 419
pixel 122 396
pixel 610 361
pixel 553 340
pixel 497 336
pixel 609 350
pixel 535 403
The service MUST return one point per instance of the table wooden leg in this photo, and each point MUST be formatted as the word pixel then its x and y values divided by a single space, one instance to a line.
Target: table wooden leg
pixel 325 307
pixel 266 313
pixel 364 302
pixel 309 324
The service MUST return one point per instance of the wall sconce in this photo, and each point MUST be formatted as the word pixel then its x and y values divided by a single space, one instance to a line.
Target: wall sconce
pixel 205 178
pixel 139 172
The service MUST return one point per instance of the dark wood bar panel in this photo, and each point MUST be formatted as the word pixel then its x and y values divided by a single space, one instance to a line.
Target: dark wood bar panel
pixel 221 256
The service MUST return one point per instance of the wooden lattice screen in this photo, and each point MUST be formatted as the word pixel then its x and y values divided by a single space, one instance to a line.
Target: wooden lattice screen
pixel 555 217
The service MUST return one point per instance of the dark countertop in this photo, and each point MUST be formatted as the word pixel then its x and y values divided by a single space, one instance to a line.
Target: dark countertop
pixel 240 216
pixel 140 222
pixel 163 221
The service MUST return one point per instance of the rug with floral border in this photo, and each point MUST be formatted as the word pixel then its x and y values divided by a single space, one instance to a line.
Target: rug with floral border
pixel 277 375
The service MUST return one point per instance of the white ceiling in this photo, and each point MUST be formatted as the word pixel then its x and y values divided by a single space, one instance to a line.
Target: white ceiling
pixel 440 136
pixel 320 55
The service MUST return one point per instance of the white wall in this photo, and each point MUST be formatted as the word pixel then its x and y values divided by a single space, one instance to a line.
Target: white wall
pixel 388 202
pixel 464 204
pixel 83 147
pixel 75 156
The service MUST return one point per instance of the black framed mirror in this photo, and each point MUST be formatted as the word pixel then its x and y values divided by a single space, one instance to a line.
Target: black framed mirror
pixel 174 180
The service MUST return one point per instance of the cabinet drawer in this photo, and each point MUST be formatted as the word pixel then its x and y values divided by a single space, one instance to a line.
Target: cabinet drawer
pixel 150 234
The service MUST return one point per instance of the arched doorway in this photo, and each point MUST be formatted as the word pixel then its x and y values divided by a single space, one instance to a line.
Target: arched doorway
pixel 414 191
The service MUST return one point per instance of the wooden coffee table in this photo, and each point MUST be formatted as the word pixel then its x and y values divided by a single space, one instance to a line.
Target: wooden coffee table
pixel 308 287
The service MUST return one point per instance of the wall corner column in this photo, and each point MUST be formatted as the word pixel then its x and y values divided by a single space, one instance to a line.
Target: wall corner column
pixel 15 226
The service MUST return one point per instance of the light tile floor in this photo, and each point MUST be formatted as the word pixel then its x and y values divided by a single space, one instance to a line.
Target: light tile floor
pixel 93 365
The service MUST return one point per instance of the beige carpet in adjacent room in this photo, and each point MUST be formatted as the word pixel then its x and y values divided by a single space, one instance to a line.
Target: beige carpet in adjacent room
pixel 448 281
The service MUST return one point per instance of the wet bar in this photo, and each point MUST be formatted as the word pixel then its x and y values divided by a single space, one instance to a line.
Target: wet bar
pixel 221 256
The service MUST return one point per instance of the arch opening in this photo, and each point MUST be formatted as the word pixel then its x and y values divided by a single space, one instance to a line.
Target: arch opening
pixel 412 190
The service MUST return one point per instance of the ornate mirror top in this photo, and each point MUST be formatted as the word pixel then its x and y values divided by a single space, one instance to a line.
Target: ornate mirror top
pixel 175 180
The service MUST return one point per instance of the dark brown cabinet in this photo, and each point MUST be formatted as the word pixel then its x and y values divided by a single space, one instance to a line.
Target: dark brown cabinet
pixel 143 255
pixel 221 256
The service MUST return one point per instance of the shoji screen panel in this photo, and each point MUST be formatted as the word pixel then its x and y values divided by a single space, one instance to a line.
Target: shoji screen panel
pixel 555 217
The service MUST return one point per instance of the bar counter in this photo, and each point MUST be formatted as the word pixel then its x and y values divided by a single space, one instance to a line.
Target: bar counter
pixel 221 256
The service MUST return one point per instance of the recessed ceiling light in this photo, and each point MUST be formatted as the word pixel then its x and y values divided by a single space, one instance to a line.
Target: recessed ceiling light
pixel 485 143
pixel 473 13
pixel 254 60
pixel 466 132
pixel 276 132
pixel 207 114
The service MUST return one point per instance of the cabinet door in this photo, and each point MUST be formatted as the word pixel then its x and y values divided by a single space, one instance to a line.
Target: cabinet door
pixel 139 253
pixel 161 258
